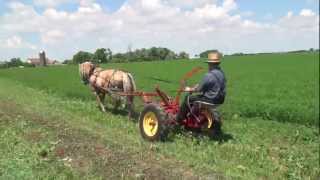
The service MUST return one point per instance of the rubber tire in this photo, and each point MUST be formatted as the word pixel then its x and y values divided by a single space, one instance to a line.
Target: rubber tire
pixel 163 129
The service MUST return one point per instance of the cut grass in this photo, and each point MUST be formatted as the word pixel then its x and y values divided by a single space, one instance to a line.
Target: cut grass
pixel 252 148
pixel 24 148
pixel 54 139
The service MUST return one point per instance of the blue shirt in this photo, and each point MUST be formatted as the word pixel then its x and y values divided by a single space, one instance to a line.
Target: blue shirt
pixel 213 85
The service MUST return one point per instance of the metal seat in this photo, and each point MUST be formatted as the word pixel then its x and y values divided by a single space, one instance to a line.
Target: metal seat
pixel 207 103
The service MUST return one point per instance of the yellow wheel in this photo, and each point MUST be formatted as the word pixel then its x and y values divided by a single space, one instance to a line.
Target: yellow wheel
pixel 152 123
pixel 209 118
pixel 213 125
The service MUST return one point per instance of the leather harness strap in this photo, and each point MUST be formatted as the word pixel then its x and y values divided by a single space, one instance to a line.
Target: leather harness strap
pixel 112 75
pixel 95 72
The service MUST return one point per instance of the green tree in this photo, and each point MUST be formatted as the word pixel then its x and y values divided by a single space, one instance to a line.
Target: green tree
pixel 171 55
pixel 15 62
pixel 151 54
pixel 100 56
pixel 67 61
pixel 81 57
pixel 183 55
pixel 109 54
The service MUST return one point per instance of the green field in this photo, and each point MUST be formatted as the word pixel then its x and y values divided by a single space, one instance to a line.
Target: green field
pixel 271 117
pixel 280 87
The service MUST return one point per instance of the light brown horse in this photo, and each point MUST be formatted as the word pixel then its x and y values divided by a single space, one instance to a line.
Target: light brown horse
pixel 108 81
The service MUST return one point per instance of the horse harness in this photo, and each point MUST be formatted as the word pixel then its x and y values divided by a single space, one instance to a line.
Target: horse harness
pixel 95 72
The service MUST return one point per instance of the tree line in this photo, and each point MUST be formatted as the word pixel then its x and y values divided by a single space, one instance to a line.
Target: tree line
pixel 14 62
pixel 103 55
pixel 296 51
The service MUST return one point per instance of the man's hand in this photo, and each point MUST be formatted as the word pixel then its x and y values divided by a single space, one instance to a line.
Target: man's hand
pixel 187 89
pixel 191 89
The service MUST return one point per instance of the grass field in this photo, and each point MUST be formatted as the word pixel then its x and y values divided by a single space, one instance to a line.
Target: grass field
pixel 271 117
pixel 280 87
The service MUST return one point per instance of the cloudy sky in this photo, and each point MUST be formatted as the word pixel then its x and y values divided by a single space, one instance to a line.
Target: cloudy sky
pixel 63 27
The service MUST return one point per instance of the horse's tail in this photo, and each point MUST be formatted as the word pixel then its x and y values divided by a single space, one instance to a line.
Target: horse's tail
pixel 81 72
pixel 128 83
pixel 129 86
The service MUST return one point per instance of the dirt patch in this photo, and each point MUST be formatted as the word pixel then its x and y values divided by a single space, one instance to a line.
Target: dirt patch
pixel 33 136
pixel 60 152
pixel 89 154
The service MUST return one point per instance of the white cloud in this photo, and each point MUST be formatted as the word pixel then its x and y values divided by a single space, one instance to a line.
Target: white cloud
pixel 86 2
pixel 54 14
pixel 52 36
pixel 190 4
pixel 188 25
pixel 305 21
pixel 22 18
pixel 229 5
pixel 307 12
pixel 89 8
pixel 13 42
pixel 16 42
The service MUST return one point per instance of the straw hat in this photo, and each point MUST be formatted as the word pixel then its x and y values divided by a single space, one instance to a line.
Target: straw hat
pixel 214 57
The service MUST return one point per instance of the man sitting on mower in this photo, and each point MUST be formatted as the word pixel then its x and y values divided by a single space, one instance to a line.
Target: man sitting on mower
pixel 212 88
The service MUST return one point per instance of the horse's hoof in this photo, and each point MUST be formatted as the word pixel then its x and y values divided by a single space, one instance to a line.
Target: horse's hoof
pixel 102 109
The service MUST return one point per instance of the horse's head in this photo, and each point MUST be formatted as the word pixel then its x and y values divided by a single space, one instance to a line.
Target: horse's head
pixel 85 70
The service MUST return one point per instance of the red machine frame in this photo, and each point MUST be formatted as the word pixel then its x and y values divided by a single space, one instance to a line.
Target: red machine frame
pixel 169 105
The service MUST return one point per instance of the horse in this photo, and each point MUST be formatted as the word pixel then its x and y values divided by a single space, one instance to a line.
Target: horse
pixel 108 81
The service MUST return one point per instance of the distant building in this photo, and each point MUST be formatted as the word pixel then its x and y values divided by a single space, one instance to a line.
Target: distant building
pixel 42 60
pixel 37 62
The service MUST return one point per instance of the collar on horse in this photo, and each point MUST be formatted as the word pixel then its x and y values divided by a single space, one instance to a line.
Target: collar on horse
pixel 93 71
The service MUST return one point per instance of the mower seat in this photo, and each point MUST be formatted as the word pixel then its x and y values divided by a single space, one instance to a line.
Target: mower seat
pixel 210 105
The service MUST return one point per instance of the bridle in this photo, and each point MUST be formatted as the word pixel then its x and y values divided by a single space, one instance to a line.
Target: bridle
pixel 85 77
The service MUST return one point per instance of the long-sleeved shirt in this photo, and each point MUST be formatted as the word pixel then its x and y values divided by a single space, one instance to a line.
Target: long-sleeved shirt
pixel 213 85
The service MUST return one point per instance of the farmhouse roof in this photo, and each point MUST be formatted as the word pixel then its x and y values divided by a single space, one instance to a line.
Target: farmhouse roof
pixel 36 61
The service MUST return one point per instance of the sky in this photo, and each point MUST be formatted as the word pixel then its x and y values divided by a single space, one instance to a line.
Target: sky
pixel 64 27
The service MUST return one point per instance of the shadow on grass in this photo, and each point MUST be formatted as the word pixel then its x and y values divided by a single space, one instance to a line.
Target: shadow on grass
pixel 123 112
pixel 221 137
pixel 198 135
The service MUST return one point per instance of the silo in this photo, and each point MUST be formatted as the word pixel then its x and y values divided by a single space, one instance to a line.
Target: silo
pixel 42 57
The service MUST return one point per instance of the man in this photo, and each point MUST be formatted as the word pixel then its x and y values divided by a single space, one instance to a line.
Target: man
pixel 212 88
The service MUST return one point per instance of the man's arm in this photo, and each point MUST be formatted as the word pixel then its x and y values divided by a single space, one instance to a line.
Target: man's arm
pixel 198 87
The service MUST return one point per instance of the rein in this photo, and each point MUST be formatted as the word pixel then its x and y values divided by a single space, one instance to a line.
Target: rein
pixel 112 75
pixel 183 80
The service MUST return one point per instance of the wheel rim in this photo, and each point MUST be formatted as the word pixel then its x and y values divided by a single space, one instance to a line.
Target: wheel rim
pixel 150 123
pixel 209 118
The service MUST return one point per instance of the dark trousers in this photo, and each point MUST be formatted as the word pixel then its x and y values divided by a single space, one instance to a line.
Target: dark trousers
pixel 189 99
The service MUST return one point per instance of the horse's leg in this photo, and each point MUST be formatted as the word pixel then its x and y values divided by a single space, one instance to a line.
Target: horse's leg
pixel 102 96
pixel 117 102
pixel 98 97
pixel 95 92
pixel 130 106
